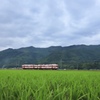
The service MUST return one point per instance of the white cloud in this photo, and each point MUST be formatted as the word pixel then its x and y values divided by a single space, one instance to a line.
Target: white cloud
pixel 43 23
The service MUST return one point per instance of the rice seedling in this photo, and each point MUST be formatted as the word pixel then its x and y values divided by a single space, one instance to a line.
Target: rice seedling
pixel 49 85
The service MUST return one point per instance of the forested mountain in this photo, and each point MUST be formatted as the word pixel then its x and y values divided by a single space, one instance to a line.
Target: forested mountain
pixel 70 57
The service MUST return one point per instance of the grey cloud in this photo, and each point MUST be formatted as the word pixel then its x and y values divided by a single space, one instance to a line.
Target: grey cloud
pixel 78 8
pixel 48 22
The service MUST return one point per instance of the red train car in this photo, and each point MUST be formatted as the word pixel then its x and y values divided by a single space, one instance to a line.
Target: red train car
pixel 40 66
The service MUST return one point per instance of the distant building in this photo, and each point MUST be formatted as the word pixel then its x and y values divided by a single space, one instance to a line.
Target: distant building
pixel 40 66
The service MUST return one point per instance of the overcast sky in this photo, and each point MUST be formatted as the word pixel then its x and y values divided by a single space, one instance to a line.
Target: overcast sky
pixel 44 23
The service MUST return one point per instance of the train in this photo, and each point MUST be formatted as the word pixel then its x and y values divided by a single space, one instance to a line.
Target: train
pixel 40 66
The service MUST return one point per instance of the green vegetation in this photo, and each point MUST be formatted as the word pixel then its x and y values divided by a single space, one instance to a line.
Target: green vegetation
pixel 71 57
pixel 49 85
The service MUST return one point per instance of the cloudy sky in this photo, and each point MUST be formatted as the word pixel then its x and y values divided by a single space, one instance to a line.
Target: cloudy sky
pixel 44 23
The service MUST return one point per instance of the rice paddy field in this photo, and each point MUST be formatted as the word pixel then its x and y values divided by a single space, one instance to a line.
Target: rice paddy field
pixel 49 85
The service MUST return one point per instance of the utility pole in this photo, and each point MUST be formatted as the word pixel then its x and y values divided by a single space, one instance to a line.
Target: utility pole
pixel 61 63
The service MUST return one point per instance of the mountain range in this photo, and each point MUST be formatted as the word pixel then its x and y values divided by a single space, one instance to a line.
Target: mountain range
pixel 69 57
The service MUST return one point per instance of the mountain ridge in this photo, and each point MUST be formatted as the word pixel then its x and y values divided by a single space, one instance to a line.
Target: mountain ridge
pixel 69 57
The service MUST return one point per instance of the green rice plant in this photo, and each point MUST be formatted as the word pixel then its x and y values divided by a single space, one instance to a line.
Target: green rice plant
pixel 49 85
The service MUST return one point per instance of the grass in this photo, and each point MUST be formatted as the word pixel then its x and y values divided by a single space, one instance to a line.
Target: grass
pixel 49 85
